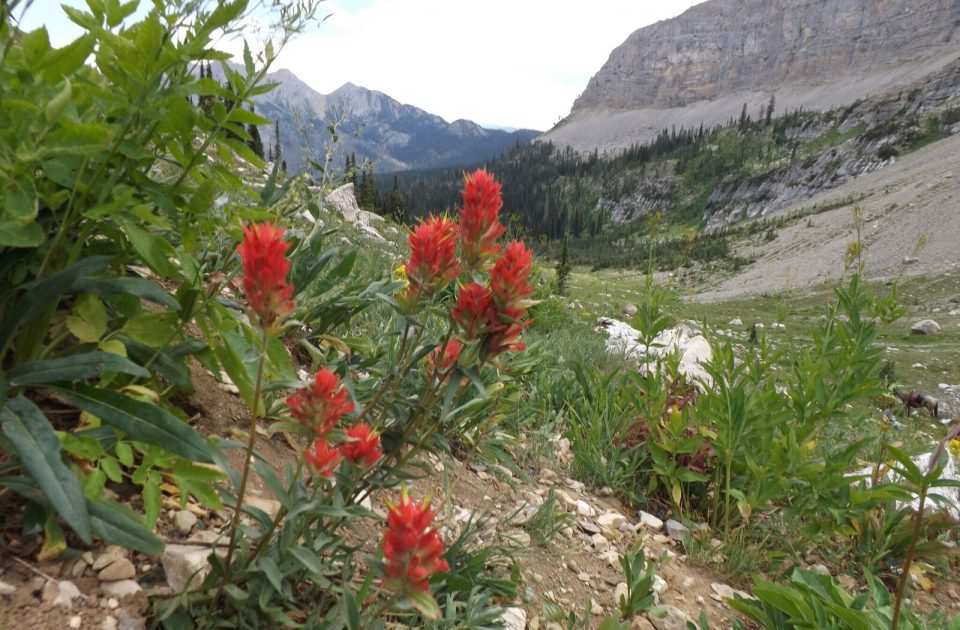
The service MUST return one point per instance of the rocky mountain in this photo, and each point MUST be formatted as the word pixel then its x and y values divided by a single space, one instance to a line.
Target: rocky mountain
pixel 705 65
pixel 375 127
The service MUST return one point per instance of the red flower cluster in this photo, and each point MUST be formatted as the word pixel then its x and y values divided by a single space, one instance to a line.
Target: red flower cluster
pixel 433 262
pixel 323 458
pixel 319 406
pixel 479 225
pixel 441 360
pixel 411 550
pixel 508 279
pixel 362 445
pixel 265 270
pixel 495 315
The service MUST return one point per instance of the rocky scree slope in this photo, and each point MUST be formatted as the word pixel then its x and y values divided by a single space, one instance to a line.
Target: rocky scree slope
pixel 705 64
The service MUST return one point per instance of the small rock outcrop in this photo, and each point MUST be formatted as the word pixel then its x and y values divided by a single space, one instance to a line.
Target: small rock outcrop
pixel 925 327
pixel 693 348
pixel 344 200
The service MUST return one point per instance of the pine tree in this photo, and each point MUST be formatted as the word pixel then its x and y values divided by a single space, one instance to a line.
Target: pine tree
pixel 563 266
pixel 256 142
pixel 395 205
pixel 770 106
pixel 277 150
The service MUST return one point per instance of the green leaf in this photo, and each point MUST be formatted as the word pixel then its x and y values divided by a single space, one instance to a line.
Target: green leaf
pixel 124 453
pixel 78 367
pixel 272 571
pixel 351 614
pixel 152 499
pixel 138 287
pixel 59 102
pixel 36 297
pixel 111 468
pixel 88 322
pixel 119 525
pixel 424 602
pixel 308 559
pixel 141 421
pixel 39 450
pixel 154 250
pixel 152 329
pixel 20 202
pixel 15 234
pixel 94 483
pixel 61 62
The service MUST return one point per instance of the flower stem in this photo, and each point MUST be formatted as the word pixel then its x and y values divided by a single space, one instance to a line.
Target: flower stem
pixel 248 457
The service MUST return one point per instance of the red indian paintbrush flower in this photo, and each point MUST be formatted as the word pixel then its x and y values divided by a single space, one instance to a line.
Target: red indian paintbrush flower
pixel 479 227
pixel 505 334
pixel 323 458
pixel 265 270
pixel 433 262
pixel 319 406
pixel 362 445
pixel 411 550
pixel 441 360
pixel 508 279
pixel 474 311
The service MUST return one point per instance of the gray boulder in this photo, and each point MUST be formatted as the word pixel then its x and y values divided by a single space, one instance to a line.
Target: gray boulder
pixel 925 327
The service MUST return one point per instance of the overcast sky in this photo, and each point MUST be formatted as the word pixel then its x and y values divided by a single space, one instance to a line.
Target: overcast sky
pixel 514 63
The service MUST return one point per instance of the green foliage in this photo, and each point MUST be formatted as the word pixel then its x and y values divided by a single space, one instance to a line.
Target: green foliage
pixel 811 600
pixel 639 576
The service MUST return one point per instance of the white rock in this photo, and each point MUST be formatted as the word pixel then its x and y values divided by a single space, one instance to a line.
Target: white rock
pixel 736 321
pixel 183 521
pixel 620 590
pixel 109 623
pixel 119 589
pixel 925 327
pixel 109 556
pixel 75 621
pixel 676 529
pixel 344 200
pixel 650 521
pixel 629 309
pixel 584 509
pixel 68 592
pixel 723 591
pixel 7 589
pixel 121 569
pixel 821 569
pixel 611 557
pixel 595 608
pixel 514 619
pixel 185 565
pixel 611 520
pixel 668 618
pixel 599 542
pixel 659 585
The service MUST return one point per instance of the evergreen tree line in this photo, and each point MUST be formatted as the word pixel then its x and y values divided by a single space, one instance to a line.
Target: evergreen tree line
pixel 255 140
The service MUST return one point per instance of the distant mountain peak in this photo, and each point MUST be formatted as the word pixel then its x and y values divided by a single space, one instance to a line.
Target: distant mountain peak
pixel 376 127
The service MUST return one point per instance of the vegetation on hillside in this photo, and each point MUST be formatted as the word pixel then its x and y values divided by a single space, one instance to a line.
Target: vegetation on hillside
pixel 613 206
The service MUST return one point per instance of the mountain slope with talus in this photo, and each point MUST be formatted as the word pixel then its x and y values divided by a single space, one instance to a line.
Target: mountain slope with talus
pixel 720 56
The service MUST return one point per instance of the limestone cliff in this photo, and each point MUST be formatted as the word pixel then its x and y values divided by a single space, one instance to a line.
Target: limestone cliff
pixel 703 65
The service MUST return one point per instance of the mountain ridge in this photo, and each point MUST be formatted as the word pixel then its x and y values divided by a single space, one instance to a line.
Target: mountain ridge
pixel 374 126
pixel 706 64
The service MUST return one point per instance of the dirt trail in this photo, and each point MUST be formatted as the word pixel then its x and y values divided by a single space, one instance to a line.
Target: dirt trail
pixel 916 198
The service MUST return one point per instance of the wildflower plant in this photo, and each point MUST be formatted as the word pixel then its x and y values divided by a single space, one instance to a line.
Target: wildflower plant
pixel 459 311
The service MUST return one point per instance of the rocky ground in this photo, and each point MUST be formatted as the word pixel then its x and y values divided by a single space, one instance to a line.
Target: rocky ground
pixel 911 226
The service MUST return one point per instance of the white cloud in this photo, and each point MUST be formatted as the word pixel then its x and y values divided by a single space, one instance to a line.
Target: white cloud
pixel 508 62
